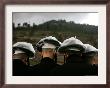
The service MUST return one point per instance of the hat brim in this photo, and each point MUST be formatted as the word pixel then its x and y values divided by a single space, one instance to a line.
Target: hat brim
pixel 28 52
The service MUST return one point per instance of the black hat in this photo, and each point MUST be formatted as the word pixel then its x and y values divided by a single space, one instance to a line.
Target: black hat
pixel 25 47
pixel 50 40
pixel 71 45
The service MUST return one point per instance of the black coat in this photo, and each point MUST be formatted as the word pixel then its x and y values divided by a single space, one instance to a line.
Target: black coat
pixel 44 67
pixel 75 67
pixel 20 68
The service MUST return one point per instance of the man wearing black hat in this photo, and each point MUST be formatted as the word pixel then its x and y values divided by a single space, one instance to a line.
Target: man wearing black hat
pixel 72 49
pixel 22 51
pixel 90 56
pixel 47 47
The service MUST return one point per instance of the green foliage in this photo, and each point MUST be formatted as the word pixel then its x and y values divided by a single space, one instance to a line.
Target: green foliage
pixel 60 29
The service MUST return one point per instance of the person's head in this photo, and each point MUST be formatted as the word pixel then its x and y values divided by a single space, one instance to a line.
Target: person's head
pixel 72 49
pixel 23 51
pixel 48 46
pixel 90 55
pixel 48 50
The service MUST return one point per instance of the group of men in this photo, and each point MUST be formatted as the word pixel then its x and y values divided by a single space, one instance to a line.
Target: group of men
pixel 79 59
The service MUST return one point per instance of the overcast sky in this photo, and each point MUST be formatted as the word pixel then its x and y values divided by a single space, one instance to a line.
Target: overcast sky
pixel 39 18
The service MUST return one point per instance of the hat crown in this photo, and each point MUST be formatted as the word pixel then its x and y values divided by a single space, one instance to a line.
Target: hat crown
pixel 48 38
pixel 71 41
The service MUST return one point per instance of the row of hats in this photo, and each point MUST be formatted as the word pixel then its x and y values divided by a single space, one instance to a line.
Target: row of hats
pixel 70 45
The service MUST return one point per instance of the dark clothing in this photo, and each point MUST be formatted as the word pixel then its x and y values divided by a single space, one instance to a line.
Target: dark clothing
pixel 19 68
pixel 44 67
pixel 95 70
pixel 75 67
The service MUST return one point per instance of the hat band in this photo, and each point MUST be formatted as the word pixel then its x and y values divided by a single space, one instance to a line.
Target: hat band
pixel 19 51
pixel 46 45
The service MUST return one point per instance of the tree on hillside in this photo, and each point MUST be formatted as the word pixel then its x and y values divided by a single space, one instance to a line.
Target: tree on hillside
pixel 19 25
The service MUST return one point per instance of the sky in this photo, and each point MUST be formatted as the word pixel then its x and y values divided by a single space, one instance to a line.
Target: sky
pixel 39 18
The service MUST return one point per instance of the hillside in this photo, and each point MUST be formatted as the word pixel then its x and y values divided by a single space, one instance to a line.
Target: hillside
pixel 58 28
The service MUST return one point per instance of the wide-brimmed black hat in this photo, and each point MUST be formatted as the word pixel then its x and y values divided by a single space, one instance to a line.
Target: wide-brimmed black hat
pixel 49 40
pixel 90 50
pixel 25 47
pixel 71 45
